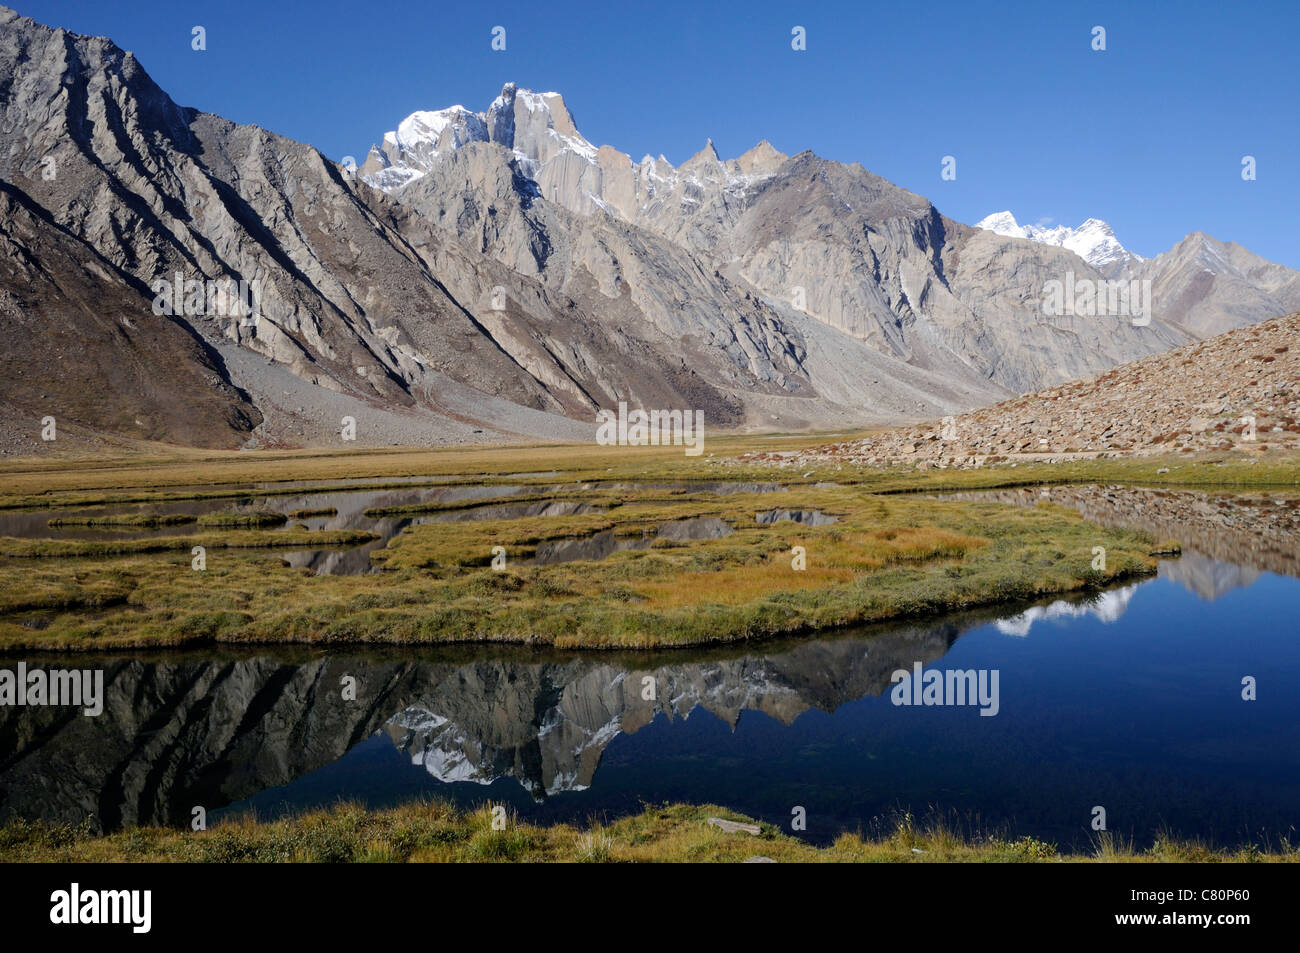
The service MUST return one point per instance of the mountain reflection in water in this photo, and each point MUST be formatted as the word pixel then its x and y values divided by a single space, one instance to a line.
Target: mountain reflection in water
pixel 1129 697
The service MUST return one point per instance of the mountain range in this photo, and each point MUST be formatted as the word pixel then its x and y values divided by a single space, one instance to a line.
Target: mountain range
pixel 1202 285
pixel 1094 241
pixel 495 276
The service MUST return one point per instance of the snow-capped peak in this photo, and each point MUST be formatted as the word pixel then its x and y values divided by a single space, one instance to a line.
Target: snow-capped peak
pixel 1003 223
pixel 535 126
pixel 542 142
pixel 1094 241
pixel 426 128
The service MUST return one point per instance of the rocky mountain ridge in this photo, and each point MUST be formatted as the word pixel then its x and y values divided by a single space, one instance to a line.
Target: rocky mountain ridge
pixel 1094 241
pixel 1238 391
pixel 1204 286
pixel 809 238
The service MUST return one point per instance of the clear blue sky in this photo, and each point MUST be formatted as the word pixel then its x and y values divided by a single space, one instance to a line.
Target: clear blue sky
pixel 1148 135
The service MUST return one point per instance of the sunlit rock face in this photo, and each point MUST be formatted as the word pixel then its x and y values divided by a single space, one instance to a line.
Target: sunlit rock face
pixel 812 238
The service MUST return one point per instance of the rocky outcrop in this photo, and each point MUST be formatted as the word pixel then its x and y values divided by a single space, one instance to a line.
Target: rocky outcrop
pixel 1238 391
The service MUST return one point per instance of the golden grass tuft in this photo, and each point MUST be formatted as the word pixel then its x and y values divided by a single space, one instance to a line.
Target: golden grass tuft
pixel 433 831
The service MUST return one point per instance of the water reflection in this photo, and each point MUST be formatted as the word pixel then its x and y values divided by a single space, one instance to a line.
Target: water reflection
pixel 1208 578
pixel 188 731
pixel 353 511
pixel 1128 697
pixel 1106 607
pixel 1255 530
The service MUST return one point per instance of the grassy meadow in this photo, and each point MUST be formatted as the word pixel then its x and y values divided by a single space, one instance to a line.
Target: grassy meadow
pixel 438 832
pixel 892 552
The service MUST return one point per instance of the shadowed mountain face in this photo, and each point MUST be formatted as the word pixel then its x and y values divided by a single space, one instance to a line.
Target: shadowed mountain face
pixel 78 346
pixel 175 734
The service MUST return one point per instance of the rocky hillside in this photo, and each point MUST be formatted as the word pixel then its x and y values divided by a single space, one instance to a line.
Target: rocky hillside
pixel 78 346
pixel 1236 391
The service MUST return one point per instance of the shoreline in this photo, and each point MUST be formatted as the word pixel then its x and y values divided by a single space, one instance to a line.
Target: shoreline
pixel 434 831
pixel 649 563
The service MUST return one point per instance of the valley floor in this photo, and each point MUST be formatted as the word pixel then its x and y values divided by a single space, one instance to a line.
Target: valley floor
pixel 671 551
pixel 625 548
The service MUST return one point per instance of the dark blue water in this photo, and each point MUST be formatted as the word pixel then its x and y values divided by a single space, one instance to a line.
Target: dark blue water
pixel 1133 704
pixel 1131 701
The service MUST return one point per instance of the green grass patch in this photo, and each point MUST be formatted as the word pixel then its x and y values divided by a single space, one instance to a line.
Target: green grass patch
pixel 249 518
pixel 434 831
pixel 125 520
pixel 884 557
